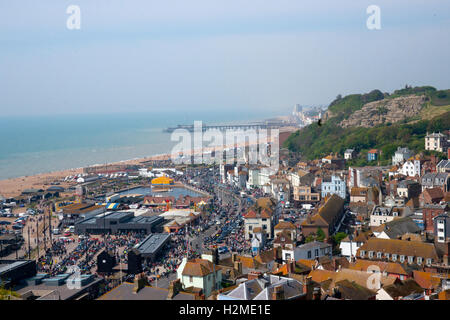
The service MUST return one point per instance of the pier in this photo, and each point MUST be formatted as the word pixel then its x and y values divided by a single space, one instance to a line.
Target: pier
pixel 247 126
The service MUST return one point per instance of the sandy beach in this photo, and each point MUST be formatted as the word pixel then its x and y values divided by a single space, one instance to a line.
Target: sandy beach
pixel 14 186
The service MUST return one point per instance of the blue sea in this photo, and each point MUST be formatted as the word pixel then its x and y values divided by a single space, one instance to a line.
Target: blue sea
pixel 38 144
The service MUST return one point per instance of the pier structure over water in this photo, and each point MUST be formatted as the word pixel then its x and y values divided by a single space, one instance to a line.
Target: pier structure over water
pixel 247 126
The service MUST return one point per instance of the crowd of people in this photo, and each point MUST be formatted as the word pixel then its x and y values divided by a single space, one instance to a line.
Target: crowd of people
pixel 64 253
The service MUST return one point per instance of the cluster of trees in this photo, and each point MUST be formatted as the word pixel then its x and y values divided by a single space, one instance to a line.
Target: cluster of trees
pixel 316 141
pixel 318 236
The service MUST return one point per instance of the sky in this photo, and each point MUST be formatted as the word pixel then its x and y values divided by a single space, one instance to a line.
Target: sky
pixel 206 55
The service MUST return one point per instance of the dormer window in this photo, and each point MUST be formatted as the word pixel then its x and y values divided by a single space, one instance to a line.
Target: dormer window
pixel 410 259
pixel 370 254
pixel 394 257
pixel 419 260
pixel 379 255
pixel 428 261
pixel 402 258
pixel 362 253
pixel 386 255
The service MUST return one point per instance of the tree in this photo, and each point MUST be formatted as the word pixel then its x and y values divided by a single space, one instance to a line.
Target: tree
pixel 320 234
pixel 309 238
pixel 338 237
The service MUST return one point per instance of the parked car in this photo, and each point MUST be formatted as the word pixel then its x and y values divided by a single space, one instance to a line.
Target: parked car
pixel 223 250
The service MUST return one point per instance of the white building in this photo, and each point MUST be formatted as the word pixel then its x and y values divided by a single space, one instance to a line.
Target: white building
pixel 410 168
pixel 200 273
pixel 382 215
pixel 267 287
pixel 402 154
pixel 308 251
pixel 334 185
pixel 349 247
pixel 436 142
pixel 349 154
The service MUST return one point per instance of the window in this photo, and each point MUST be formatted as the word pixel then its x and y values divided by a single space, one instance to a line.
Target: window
pixel 410 259
pixel 316 252
pixel 362 253
pixel 191 278
pixel 428 261
pixel 394 257
pixel 370 254
pixel 379 255
pixel 264 219
pixel 250 227
pixel 402 258
pixel 309 254
pixel 264 226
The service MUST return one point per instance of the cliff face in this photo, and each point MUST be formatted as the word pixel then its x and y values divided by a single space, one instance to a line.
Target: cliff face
pixel 384 111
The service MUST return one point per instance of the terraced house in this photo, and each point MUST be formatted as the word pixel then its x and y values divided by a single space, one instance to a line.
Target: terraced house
pixel 327 217
pixel 261 215
pixel 402 251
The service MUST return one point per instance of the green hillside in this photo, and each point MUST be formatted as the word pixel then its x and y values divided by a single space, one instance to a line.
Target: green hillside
pixel 316 141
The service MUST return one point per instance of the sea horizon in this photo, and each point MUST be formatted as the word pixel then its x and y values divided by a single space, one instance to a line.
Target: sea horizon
pixel 47 143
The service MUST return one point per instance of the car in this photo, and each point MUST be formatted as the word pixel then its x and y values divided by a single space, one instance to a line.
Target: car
pixel 223 250
pixel 17 226
pixel 5 223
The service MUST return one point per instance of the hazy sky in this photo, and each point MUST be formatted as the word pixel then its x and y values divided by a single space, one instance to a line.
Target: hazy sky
pixel 181 55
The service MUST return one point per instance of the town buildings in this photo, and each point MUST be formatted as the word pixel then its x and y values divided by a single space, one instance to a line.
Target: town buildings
pixel 262 215
pixel 333 185
pixel 403 251
pixel 436 142
pixel 200 274
pixel 328 217
pixel 402 154
pixel 307 251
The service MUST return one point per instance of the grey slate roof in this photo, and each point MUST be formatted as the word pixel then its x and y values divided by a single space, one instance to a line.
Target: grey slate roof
pixel 399 227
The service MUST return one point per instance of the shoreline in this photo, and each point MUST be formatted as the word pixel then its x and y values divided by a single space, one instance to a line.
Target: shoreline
pixel 13 187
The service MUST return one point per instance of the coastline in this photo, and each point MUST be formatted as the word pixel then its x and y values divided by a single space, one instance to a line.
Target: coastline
pixel 13 187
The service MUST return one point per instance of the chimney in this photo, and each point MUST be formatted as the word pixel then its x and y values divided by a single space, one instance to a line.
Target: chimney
pixel 308 288
pixel 446 260
pixel 140 281
pixel 278 293
pixel 233 257
pixel 317 293
pixel 336 293
pixel 237 266
pixel 276 254
pixel 174 288
pixel 291 267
